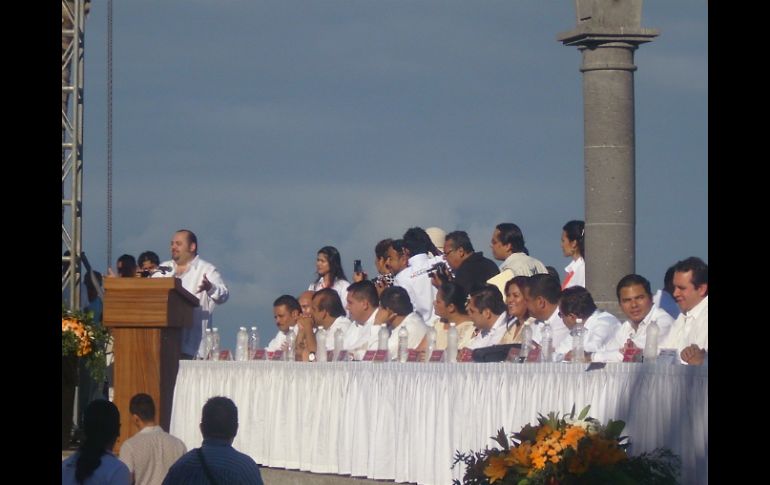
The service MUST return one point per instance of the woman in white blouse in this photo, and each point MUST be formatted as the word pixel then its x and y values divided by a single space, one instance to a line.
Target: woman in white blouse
pixel 573 246
pixel 328 266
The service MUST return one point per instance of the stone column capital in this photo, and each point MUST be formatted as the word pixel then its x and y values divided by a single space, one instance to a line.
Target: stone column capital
pixel 592 37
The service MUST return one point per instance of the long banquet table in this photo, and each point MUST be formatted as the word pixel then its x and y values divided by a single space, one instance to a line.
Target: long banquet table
pixel 404 421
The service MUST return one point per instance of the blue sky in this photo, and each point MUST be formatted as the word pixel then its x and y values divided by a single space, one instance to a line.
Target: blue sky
pixel 273 128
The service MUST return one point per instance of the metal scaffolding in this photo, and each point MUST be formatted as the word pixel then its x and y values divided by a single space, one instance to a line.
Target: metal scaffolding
pixel 73 23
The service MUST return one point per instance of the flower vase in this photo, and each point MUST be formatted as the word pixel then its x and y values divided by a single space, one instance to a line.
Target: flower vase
pixel 69 379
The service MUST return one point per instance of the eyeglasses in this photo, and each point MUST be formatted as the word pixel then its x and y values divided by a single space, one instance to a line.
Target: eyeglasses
pixel 446 253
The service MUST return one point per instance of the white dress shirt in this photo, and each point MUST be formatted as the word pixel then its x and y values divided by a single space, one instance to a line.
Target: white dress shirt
pixel 340 286
pixel 421 291
pixel 340 323
pixel 612 351
pixel 192 336
pixel 490 337
pixel 559 331
pixel 416 328
pixel 690 328
pixel 598 329
pixel 578 269
pixel 521 264
pixel 280 339
pixel 663 299
pixel 357 339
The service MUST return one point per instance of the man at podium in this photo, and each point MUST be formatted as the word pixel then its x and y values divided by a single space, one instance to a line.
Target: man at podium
pixel 200 278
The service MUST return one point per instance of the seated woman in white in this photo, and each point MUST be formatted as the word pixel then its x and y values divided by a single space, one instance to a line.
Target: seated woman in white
pixel 450 308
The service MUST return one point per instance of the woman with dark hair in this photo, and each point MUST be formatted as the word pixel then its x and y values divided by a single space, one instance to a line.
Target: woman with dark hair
pixel 94 463
pixel 518 313
pixel 573 246
pixel 450 307
pixel 328 265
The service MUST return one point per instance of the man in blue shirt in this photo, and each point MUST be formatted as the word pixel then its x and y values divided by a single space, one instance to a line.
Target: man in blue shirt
pixel 216 461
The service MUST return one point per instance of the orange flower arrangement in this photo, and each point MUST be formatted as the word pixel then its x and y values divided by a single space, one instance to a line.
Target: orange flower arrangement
pixel 565 451
pixel 80 337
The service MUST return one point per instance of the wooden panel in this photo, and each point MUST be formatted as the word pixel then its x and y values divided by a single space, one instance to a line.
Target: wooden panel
pixel 146 302
pixel 145 316
pixel 146 360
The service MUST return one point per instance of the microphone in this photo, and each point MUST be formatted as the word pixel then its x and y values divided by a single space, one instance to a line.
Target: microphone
pixel 160 269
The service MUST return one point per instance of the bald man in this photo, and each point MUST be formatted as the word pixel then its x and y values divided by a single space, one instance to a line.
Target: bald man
pixel 305 298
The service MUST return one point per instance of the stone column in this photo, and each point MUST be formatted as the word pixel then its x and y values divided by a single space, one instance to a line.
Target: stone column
pixel 607 34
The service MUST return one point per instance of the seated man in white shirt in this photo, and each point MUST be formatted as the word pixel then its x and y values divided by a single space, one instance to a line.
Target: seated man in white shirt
pixel 690 333
pixel 486 309
pixel 362 306
pixel 598 326
pixel 396 311
pixel 635 299
pixel 328 313
pixel 286 310
pixel 542 295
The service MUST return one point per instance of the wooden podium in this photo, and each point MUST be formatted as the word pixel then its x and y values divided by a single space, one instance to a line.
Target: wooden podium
pixel 146 316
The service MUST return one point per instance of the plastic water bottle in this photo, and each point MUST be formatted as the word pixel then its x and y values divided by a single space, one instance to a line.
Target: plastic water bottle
pixel 320 345
pixel 382 340
pixel 289 355
pixel 651 342
pixel 338 338
pixel 430 338
pixel 242 345
pixel 209 342
pixel 403 343
pixel 526 342
pixel 578 354
pixel 215 344
pixel 546 343
pixel 253 341
pixel 451 343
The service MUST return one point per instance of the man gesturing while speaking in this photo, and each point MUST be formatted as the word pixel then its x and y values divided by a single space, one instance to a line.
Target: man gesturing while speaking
pixel 200 278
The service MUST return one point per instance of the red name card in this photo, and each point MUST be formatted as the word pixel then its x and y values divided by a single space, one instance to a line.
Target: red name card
pixel 342 356
pixel 259 354
pixel 369 355
pixel 513 355
pixel 225 355
pixel 381 356
pixel 277 355
pixel 437 356
pixel 412 355
pixel 534 355
pixel 465 355
pixel 329 356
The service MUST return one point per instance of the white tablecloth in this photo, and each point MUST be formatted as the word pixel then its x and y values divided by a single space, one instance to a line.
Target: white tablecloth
pixel 404 422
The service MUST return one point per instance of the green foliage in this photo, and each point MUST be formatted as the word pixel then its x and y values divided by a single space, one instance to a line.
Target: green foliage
pixel 83 338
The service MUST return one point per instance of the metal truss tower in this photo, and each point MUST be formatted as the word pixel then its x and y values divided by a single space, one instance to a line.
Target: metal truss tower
pixel 73 23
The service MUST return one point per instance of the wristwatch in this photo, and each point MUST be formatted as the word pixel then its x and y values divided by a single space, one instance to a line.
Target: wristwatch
pixel 311 357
